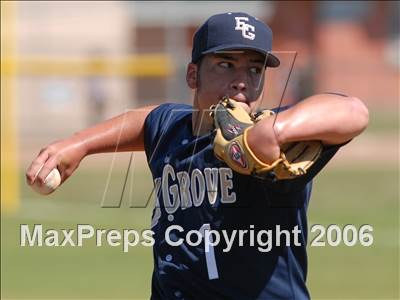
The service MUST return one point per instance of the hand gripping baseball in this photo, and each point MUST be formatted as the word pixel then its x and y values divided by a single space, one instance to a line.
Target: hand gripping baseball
pixel 54 164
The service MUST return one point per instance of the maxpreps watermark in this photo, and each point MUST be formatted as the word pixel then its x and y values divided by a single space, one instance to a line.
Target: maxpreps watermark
pixel 37 236
pixel 263 239
pixel 175 235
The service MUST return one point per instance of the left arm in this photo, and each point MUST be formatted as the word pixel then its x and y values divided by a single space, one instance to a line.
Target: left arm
pixel 332 119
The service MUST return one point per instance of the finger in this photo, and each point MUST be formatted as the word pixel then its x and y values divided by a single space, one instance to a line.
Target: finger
pixel 65 173
pixel 50 164
pixel 36 167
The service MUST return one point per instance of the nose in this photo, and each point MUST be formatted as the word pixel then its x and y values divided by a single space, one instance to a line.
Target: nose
pixel 239 83
pixel 238 86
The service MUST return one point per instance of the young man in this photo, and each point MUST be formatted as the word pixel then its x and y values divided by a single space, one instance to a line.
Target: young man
pixel 196 191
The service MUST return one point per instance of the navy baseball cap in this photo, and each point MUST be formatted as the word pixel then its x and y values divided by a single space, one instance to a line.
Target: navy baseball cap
pixel 233 31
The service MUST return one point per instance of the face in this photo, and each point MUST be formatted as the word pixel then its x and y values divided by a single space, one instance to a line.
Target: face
pixel 238 75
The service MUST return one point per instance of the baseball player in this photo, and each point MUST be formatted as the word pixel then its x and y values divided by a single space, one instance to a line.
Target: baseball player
pixel 221 165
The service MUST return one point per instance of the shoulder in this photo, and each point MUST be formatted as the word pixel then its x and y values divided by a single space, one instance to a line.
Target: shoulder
pixel 166 109
pixel 163 119
pixel 167 112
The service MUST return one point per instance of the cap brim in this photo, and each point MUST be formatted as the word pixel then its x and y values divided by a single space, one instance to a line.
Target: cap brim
pixel 272 60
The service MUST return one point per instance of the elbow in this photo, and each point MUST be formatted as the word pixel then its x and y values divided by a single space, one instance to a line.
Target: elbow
pixel 359 115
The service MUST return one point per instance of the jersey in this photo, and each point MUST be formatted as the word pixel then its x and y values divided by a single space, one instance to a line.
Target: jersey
pixel 194 191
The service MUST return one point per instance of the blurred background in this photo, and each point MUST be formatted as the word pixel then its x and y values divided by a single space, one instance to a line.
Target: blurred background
pixel 68 65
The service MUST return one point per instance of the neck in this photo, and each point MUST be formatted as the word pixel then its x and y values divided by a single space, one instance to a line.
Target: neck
pixel 202 123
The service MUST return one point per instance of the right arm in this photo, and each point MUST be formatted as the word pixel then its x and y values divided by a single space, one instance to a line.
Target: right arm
pixel 122 133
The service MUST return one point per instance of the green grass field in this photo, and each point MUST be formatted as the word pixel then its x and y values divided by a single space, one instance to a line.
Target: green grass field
pixel 340 196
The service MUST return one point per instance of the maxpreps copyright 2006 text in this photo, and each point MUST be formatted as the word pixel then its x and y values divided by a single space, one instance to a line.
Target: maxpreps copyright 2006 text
pixel 263 239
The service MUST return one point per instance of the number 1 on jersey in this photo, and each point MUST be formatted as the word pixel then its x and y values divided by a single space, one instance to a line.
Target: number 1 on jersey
pixel 210 255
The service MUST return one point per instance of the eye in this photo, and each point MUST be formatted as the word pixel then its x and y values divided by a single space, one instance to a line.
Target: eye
pixel 255 70
pixel 225 64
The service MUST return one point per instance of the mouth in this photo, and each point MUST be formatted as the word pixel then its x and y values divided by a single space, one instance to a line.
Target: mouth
pixel 242 101
pixel 240 98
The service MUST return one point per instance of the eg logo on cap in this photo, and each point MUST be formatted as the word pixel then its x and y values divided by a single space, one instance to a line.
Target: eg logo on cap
pixel 248 31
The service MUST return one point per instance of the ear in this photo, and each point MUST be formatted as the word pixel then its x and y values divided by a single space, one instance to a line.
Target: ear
pixel 191 75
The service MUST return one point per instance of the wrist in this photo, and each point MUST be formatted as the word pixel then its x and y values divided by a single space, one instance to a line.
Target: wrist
pixel 268 132
pixel 80 144
pixel 279 129
pixel 263 142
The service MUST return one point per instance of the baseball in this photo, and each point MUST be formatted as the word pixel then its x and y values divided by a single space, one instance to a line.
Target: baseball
pixel 51 182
